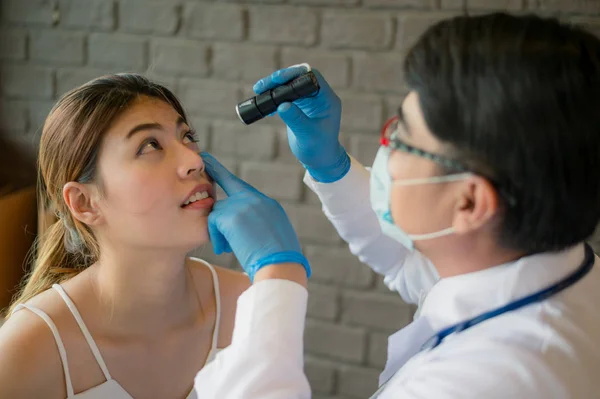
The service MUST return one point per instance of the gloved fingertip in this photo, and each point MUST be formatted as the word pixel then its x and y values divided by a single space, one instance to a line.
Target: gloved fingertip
pixel 284 107
pixel 258 87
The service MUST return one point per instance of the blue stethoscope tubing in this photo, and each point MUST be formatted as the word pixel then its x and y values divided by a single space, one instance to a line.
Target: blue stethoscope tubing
pixel 581 272
pixel 586 266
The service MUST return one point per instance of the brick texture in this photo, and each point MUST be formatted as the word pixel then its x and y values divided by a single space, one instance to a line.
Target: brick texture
pixel 57 47
pixel 121 52
pixel 210 53
pixel 283 25
pixel 88 14
pixel 141 16
pixel 26 81
pixel 178 57
pixel 13 44
pixel 358 30
pixel 242 61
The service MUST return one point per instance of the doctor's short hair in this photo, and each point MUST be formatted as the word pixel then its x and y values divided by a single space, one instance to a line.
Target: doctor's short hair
pixel 519 98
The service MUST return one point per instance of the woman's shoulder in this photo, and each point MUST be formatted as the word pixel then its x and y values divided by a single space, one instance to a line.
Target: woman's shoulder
pixel 232 283
pixel 30 364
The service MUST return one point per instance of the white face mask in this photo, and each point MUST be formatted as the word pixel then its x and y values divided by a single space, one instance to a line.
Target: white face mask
pixel 381 189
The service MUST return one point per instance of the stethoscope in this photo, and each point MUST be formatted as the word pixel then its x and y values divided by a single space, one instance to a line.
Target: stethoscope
pixel 437 339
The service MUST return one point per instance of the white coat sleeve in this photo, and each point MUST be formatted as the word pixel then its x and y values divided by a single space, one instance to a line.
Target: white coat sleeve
pixel 347 204
pixel 265 359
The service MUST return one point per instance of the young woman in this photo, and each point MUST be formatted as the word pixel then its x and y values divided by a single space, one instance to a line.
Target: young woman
pixel 113 307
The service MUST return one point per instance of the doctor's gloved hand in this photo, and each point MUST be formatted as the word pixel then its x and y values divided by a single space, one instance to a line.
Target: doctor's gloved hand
pixel 313 126
pixel 251 225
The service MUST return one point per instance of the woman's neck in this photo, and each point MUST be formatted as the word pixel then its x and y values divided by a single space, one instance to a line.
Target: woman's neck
pixel 145 292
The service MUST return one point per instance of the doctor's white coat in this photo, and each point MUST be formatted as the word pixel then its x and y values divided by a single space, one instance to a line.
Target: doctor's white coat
pixel 548 350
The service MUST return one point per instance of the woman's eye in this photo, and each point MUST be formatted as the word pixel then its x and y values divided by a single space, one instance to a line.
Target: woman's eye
pixel 149 146
pixel 190 137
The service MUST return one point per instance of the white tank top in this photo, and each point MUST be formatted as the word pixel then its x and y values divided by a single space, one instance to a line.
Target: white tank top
pixel 111 388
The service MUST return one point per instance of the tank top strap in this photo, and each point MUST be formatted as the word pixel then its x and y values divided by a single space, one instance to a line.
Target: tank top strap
pixel 217 291
pixel 59 343
pixel 84 330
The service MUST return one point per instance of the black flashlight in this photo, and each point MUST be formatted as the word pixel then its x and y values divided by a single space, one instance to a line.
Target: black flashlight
pixel 257 107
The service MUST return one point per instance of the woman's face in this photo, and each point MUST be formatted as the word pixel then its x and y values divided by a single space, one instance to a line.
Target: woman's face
pixel 149 167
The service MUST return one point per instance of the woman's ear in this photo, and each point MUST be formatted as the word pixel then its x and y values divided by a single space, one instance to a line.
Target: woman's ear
pixel 476 206
pixel 80 201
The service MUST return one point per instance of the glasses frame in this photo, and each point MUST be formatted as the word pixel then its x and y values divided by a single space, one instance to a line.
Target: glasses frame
pixel 396 143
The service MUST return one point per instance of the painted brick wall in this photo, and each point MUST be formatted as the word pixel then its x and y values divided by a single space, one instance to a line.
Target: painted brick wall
pixel 210 54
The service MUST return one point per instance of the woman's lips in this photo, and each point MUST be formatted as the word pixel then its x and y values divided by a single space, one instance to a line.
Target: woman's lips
pixel 205 203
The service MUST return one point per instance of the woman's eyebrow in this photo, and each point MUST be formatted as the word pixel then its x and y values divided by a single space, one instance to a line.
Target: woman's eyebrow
pixel 151 126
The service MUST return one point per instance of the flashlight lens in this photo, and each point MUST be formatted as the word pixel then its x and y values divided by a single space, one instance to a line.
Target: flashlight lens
pixel 248 112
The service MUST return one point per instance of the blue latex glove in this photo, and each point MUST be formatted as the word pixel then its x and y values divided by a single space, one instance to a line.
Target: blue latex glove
pixel 313 126
pixel 252 225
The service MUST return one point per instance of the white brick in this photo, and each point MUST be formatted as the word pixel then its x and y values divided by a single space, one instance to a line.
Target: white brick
pixel 357 30
pixel 283 25
pixel 123 52
pixel 94 14
pixel 338 266
pixel 323 301
pixel 26 81
pixel 379 72
pixel 243 61
pixel 57 47
pixel 335 67
pixel 412 26
pixel 335 341
pixel 590 7
pixel 283 182
pixel 453 4
pixel 13 115
pixel 13 44
pixel 361 112
pixel 338 3
pixel 142 16
pixel 377 354
pixel 320 374
pixel 70 78
pixel 208 97
pixel 364 148
pixel 358 382
pixel 38 112
pixel 38 12
pixel 214 21
pixel 311 224
pixel 501 5
pixel 253 142
pixel 379 311
pixel 179 57
pixel 408 4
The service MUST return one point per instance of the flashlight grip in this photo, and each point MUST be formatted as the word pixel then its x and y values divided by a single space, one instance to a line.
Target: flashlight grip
pixel 266 103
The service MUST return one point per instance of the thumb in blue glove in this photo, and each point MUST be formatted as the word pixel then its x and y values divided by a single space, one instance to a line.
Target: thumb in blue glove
pixel 252 225
pixel 313 125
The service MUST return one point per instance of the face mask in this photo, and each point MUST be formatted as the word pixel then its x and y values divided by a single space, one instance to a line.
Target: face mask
pixel 381 188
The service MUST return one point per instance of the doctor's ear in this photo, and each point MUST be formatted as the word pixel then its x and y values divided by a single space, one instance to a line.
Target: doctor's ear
pixel 477 204
pixel 82 203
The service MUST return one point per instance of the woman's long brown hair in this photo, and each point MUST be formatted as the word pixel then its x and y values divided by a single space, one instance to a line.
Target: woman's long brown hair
pixel 69 148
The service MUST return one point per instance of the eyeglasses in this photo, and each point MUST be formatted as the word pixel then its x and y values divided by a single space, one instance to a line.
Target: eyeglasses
pixel 390 138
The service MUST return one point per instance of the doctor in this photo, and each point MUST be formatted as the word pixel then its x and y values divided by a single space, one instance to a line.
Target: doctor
pixel 480 198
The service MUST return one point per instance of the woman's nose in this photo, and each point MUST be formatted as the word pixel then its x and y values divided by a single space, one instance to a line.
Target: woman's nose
pixel 191 163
